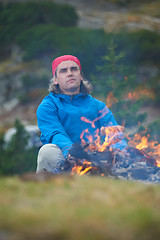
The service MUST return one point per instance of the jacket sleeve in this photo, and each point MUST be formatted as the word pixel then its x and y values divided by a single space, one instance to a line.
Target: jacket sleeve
pixel 107 119
pixel 51 128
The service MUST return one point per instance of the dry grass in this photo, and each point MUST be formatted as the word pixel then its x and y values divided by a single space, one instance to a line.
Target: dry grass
pixel 78 208
pixel 151 9
pixel 9 66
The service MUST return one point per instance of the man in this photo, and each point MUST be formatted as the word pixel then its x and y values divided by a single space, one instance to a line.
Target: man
pixel 68 113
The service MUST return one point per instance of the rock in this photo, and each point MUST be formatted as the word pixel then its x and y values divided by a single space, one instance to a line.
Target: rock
pixel 34 136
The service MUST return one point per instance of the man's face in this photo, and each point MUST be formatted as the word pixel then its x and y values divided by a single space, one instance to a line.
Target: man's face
pixel 68 77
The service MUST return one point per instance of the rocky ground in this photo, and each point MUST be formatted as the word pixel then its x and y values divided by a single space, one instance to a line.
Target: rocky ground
pixel 25 113
pixel 111 17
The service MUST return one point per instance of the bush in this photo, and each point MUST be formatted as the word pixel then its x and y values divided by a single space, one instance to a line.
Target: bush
pixel 48 39
pixel 26 14
pixel 157 91
pixel 125 112
pixel 17 17
pixel 127 2
pixel 140 46
pixel 15 158
pixel 129 119
pixel 34 87
pixel 154 130
pixel 41 40
pixel 31 81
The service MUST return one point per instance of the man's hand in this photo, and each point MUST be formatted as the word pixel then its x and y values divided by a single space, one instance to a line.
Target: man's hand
pixel 75 154
pixel 78 152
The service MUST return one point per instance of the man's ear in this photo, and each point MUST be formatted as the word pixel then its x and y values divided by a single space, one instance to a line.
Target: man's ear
pixel 55 81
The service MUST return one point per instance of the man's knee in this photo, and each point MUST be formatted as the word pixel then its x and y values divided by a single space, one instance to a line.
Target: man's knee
pixel 48 157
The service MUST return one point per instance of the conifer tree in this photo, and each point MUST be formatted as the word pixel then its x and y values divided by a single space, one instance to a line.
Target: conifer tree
pixel 15 157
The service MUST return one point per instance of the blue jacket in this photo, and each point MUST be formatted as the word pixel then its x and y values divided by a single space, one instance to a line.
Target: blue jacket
pixel 59 119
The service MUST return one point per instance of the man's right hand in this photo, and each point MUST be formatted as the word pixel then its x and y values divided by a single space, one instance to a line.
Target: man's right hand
pixel 75 154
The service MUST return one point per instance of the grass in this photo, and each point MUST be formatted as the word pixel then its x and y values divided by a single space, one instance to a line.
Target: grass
pixel 78 208
pixel 151 9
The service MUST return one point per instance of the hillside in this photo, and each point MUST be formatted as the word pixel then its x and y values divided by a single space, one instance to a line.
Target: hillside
pixel 93 14
pixel 68 207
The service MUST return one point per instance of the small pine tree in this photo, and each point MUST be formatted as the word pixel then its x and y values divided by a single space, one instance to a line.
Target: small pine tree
pixel 20 139
pixel 112 66
pixel 112 75
pixel 16 158
pixel 115 79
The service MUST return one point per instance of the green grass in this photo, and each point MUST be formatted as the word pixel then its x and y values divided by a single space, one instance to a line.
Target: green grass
pixel 79 208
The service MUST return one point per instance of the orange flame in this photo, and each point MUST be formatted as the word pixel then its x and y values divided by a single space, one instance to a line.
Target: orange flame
pixel 143 144
pixel 82 169
pixel 151 147
pixel 135 95
pixel 111 99
pixel 140 92
pixel 113 134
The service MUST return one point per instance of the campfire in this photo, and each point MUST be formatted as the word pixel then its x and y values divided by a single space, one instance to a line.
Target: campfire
pixel 139 161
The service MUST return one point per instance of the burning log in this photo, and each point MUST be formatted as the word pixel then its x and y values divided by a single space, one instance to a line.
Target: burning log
pixel 134 164
pixel 137 165
pixel 139 161
pixel 141 155
pixel 101 162
pixel 94 163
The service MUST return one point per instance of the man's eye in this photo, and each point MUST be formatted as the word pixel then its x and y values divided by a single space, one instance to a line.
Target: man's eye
pixel 74 68
pixel 63 70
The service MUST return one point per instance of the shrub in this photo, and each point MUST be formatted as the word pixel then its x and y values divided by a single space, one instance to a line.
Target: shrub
pixel 154 129
pixel 140 46
pixel 157 91
pixel 15 158
pixel 125 112
pixel 26 14
pixel 127 2
pixel 17 17
pixel 128 118
pixel 41 40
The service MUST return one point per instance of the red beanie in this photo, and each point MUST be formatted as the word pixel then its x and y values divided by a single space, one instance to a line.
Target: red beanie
pixel 63 58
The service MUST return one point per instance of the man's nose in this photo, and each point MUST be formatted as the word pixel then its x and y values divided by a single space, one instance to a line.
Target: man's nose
pixel 69 71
